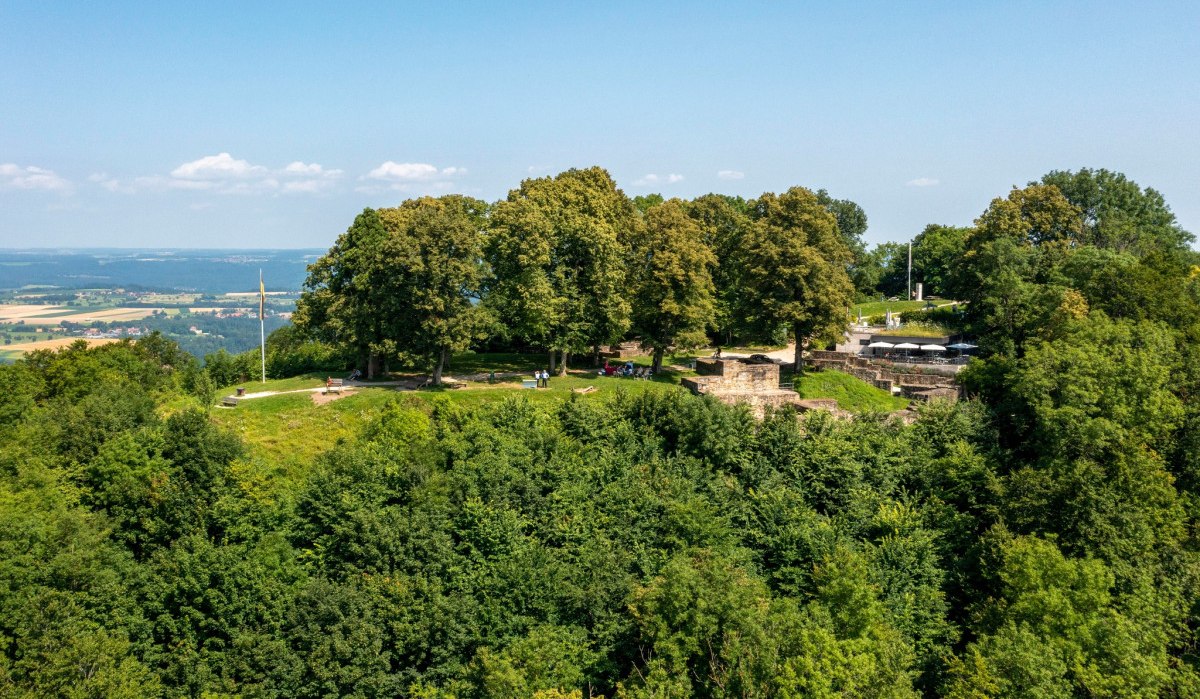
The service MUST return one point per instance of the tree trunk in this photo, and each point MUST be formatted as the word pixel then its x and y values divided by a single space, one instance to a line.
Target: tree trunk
pixel 372 366
pixel 553 362
pixel 438 366
pixel 595 355
pixel 656 365
pixel 798 367
pixel 562 368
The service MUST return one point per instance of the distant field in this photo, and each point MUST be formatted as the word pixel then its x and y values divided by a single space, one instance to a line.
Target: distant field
pixel 53 315
pixel 11 312
pixel 214 309
pixel 20 348
pixel 169 299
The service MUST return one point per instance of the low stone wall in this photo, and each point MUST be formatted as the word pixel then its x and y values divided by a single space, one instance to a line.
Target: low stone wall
pixel 929 395
pixel 625 350
pixel 807 404
pixel 739 383
pixel 700 385
pixel 827 354
pixel 875 374
pixel 740 376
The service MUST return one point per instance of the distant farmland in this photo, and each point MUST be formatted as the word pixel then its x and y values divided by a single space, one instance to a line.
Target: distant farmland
pixel 54 315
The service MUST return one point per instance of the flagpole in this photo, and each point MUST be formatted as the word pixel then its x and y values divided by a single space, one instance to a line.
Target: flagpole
pixel 262 332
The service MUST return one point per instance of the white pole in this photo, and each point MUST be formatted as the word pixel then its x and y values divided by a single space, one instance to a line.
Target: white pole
pixel 910 270
pixel 262 332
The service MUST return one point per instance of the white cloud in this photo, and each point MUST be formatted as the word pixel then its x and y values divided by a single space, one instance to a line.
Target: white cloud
pixel 653 180
pixel 730 175
pixel 410 177
pixel 403 171
pixel 219 166
pixel 13 176
pixel 922 182
pixel 224 174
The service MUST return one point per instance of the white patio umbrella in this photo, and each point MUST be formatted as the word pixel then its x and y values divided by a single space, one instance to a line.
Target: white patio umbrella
pixel 962 346
pixel 907 346
pixel 933 348
pixel 880 345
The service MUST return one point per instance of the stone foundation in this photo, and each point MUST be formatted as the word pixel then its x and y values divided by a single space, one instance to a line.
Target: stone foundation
pixel 738 383
pixel 625 350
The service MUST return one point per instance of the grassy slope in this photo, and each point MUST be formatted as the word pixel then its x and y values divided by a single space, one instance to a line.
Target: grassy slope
pixel 918 330
pixel 852 393
pixel 287 432
pixel 871 308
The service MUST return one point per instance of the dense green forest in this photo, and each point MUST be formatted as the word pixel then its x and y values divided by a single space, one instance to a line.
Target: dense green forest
pixel 1037 540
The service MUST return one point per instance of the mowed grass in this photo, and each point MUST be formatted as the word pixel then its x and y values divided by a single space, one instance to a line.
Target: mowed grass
pixel 309 380
pixel 285 433
pixel 852 394
pixel 871 308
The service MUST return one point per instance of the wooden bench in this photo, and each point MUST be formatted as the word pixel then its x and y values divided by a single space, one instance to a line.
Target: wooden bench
pixel 229 402
pixel 334 386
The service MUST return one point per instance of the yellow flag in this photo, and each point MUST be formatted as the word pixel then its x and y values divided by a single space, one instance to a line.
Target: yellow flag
pixel 262 296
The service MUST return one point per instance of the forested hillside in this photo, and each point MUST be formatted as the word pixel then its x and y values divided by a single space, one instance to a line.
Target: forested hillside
pixel 1037 540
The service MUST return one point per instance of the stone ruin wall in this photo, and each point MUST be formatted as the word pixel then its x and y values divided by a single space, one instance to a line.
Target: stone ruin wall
pixel 738 383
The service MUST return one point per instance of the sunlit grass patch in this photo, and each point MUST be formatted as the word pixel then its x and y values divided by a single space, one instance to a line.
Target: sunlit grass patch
pixel 852 394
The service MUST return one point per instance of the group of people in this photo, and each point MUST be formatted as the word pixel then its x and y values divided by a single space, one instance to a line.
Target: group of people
pixel 542 377
pixel 627 370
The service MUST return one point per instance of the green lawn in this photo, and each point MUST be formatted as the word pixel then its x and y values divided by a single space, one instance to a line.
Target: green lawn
pixel 872 308
pixel 852 394
pixel 286 433
pixel 309 380
pixel 560 388
pixel 918 330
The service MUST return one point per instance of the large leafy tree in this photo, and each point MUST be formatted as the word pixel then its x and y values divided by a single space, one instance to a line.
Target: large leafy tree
pixel 1009 271
pixel 852 224
pixel 670 281
pixel 435 249
pixel 1117 213
pixel 558 248
pixel 401 280
pixel 795 269
pixel 937 252
pixel 349 297
pixel 724 221
pixel 1059 631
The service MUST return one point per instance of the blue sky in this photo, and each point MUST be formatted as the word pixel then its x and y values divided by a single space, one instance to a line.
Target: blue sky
pixel 271 125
